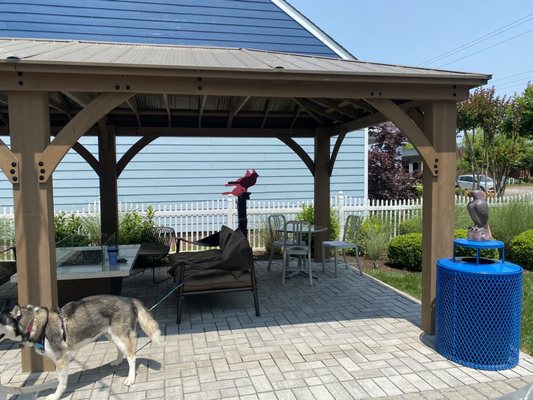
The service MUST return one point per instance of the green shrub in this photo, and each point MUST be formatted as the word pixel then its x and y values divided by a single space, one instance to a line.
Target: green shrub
pixel 377 237
pixel 405 251
pixel 70 230
pixel 413 225
pixel 521 249
pixel 308 215
pixel 133 228
pixel 371 226
pixel 510 219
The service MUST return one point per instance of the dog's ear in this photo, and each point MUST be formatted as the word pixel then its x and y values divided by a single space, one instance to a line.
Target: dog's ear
pixel 16 312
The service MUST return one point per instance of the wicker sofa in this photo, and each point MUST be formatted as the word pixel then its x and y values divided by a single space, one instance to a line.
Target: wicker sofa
pixel 228 268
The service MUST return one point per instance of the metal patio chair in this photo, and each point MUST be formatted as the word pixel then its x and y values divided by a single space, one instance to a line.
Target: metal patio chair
pixel 350 239
pixel 276 226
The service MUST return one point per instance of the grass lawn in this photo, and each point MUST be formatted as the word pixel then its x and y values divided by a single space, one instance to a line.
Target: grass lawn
pixel 411 283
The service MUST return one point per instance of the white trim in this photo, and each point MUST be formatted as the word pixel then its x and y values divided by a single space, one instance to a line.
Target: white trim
pixel 313 29
pixel 365 167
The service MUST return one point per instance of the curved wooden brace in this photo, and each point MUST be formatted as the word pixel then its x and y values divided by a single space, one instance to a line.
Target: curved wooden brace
pixel 415 135
pixel 9 163
pixel 74 129
pixel 133 151
pixel 87 156
pixel 300 152
pixel 335 151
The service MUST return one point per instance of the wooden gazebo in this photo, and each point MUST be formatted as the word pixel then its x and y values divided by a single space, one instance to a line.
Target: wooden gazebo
pixel 66 89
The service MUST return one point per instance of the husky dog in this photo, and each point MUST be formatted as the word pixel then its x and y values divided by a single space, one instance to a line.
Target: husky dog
pixel 56 333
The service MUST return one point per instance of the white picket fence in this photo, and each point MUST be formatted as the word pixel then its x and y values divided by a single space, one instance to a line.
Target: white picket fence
pixel 197 220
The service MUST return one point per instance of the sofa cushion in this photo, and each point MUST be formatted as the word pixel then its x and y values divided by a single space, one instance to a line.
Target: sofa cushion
pixel 213 279
pixel 224 236
pixel 7 268
pixel 237 254
pixel 208 258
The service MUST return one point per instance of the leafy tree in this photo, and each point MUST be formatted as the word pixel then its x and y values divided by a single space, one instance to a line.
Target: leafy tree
pixel 388 179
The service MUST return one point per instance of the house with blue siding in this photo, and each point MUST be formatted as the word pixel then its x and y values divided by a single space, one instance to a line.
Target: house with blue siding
pixel 186 169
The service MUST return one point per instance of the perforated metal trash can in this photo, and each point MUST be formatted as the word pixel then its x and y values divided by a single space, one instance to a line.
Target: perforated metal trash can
pixel 478 310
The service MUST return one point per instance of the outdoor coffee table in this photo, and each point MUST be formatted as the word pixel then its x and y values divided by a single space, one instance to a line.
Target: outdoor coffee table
pixel 81 272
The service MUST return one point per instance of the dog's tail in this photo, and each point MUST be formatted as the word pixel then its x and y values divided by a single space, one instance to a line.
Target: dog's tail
pixel 147 322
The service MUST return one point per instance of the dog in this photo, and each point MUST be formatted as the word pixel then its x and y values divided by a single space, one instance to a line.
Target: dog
pixel 55 333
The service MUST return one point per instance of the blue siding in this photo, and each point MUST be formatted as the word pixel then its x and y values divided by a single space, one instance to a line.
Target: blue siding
pixel 256 24
pixel 173 170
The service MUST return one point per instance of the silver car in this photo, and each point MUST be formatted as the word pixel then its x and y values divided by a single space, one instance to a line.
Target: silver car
pixel 469 182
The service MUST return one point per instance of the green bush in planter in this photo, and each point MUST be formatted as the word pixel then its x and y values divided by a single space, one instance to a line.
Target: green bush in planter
pixel 463 252
pixel 521 249
pixel 405 251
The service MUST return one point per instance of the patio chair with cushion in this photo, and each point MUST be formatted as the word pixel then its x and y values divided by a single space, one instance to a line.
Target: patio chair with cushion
pixel 276 224
pixel 160 239
pixel 350 239
pixel 228 268
pixel 7 268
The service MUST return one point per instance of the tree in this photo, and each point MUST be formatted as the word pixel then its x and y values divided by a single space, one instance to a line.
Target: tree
pixel 388 179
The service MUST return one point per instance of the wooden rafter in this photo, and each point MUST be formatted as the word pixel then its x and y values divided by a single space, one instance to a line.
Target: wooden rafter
pixel 60 107
pixel 4 120
pixel 268 108
pixel 132 103
pixel 167 106
pixel 235 109
pixel 415 135
pixel 201 107
pixel 332 106
pixel 74 129
pixel 296 116
pixel 318 110
pixel 79 98
pixel 311 113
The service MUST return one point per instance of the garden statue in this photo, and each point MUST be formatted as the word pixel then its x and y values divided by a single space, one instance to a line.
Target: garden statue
pixel 241 192
pixel 478 209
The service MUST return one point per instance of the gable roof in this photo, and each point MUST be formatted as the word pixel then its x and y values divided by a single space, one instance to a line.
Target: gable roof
pixel 271 25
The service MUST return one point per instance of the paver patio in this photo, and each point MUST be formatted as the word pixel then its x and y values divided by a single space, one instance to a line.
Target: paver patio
pixel 345 338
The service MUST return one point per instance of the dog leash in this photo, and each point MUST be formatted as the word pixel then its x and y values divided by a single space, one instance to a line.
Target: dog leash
pixel 173 289
pixel 176 286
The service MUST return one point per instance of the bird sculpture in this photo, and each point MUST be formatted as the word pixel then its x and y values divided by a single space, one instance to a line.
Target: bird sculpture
pixel 478 209
pixel 243 183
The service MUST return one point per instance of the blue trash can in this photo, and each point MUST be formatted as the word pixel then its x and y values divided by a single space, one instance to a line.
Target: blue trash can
pixel 478 309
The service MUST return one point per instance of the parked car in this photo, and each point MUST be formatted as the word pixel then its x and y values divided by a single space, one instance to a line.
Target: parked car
pixel 469 182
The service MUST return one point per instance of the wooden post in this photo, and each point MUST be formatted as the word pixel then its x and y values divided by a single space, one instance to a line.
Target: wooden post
pixel 108 182
pixel 322 188
pixel 34 211
pixel 439 202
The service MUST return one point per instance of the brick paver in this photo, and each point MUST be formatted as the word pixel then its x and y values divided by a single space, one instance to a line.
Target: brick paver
pixel 343 338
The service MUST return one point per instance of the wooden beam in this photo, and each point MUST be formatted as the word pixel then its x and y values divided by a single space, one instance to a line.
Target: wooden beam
pixel 335 152
pixel 214 132
pixel 318 110
pixel 300 152
pixel 63 142
pixel 132 103
pixel 439 202
pixel 34 212
pixel 321 190
pixel 87 156
pixel 235 108
pixel 167 106
pixel 333 106
pixel 285 86
pixel 9 163
pixel 108 183
pixel 5 120
pixel 201 107
pixel 60 107
pixel 415 135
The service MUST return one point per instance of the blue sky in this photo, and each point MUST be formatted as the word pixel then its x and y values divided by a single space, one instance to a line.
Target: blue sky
pixel 412 32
